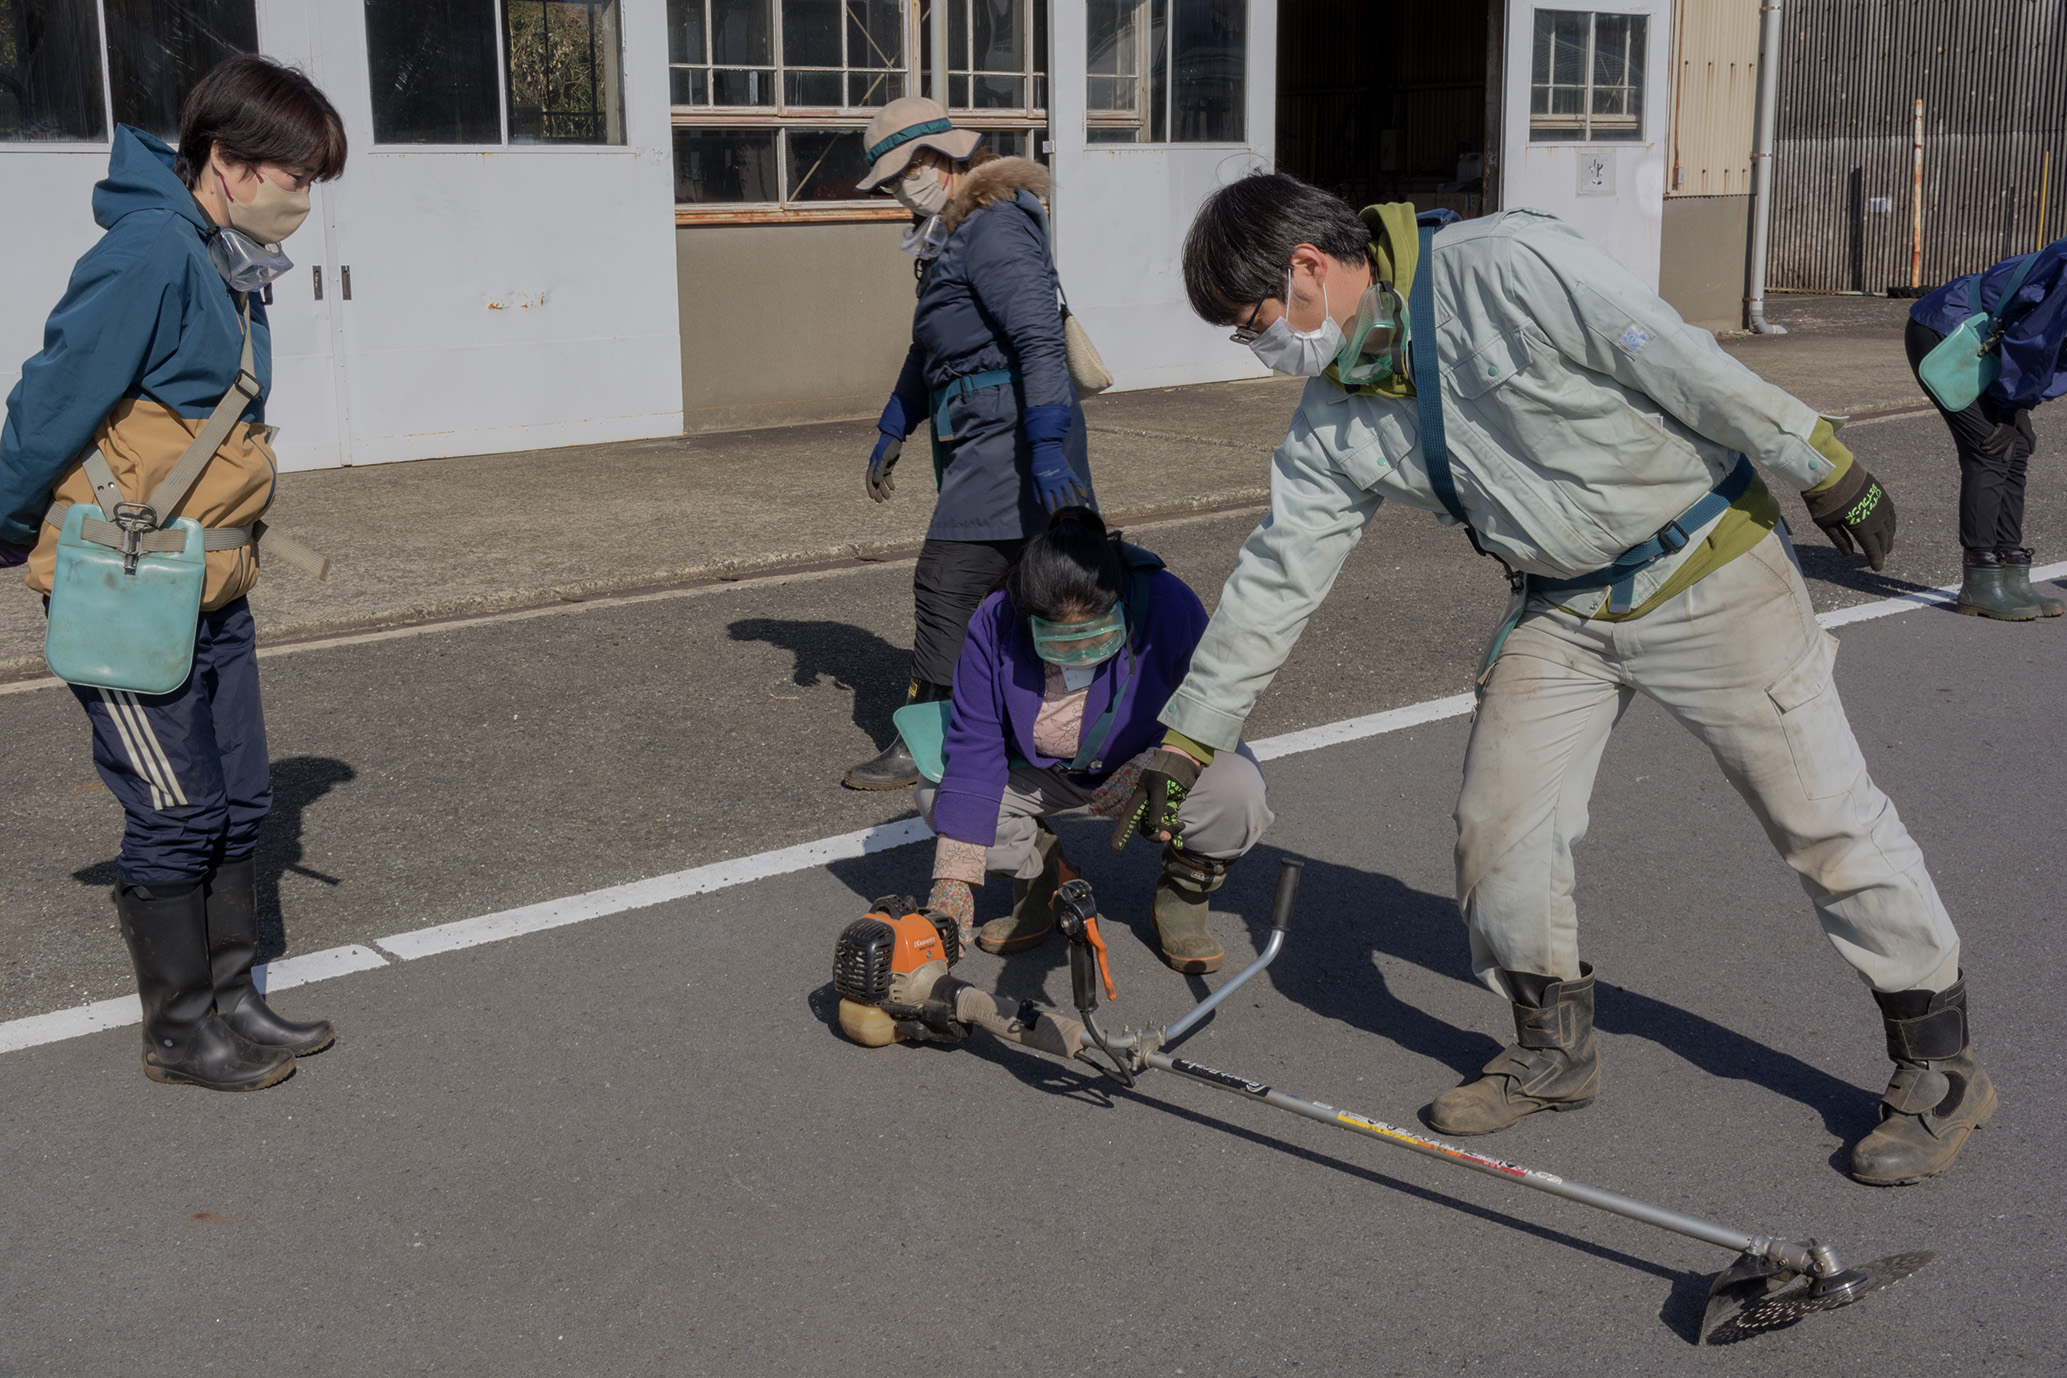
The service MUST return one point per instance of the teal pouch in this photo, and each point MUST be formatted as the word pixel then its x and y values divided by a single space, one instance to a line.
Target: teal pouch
pixel 924 729
pixel 1963 364
pixel 118 625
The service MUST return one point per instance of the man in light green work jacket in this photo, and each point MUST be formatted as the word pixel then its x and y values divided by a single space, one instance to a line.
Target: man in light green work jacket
pixel 1598 446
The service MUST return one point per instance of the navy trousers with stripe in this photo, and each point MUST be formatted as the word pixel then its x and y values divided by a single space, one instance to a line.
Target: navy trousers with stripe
pixel 190 767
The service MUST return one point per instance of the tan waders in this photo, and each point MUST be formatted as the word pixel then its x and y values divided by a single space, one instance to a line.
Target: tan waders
pixel 1939 1094
pixel 1180 911
pixel 1551 1065
pixel 1033 901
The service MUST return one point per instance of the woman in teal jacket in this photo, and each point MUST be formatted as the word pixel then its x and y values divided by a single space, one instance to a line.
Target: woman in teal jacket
pixel 147 341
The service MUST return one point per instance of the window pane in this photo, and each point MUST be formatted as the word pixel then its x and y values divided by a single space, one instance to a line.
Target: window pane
pixel 957 37
pixel 742 88
pixel 725 165
pixel 157 50
pixel 1557 92
pixel 685 32
pixel 874 88
pixel 688 86
pixel 1000 93
pixel 811 33
pixel 1158 71
pixel 431 64
pixel 1208 62
pixel 1568 46
pixel 1618 76
pixel 875 35
pixel 813 88
pixel 824 165
pixel 997 36
pixel 50 71
pixel 740 33
pixel 566 86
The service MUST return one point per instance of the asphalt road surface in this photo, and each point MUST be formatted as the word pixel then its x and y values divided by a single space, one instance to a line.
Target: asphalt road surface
pixel 636 1146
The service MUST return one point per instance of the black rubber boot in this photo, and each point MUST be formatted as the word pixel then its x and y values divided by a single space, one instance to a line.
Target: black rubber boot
pixel 1551 1065
pixel 1180 911
pixel 893 767
pixel 232 899
pixel 2016 567
pixel 1033 901
pixel 1984 590
pixel 185 1041
pixel 1938 1096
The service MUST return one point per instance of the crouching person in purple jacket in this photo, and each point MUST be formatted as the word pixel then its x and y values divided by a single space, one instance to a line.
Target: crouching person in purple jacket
pixel 1055 703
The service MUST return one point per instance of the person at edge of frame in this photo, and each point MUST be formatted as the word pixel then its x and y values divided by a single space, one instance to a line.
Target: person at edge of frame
pixel 1598 446
pixel 138 352
pixel 986 372
pixel 1992 437
pixel 1055 703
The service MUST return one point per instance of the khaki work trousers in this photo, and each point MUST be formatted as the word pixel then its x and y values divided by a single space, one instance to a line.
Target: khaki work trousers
pixel 1223 816
pixel 1739 660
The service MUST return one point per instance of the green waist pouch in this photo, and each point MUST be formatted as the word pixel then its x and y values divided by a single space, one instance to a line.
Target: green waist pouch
pixel 1962 365
pixel 121 620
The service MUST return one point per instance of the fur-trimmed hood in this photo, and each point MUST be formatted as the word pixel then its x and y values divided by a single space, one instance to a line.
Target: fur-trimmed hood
pixel 1001 179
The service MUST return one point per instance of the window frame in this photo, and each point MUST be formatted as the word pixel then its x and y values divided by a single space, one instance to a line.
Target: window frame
pixel 529 148
pixel 1584 132
pixel 1149 63
pixel 783 116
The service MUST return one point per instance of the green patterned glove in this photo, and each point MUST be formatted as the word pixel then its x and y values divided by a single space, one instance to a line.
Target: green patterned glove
pixel 1158 795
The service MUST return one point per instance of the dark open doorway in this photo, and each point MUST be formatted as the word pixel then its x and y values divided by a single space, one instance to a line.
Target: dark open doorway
pixel 1381 100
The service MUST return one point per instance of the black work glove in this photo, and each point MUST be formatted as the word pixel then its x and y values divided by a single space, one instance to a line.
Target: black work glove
pixel 2004 437
pixel 881 482
pixel 1858 510
pixel 1158 795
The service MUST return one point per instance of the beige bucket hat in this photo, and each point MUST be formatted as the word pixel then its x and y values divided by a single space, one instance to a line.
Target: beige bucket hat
pixel 902 128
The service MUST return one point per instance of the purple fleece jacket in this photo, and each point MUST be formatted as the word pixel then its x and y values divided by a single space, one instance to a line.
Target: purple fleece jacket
pixel 998 686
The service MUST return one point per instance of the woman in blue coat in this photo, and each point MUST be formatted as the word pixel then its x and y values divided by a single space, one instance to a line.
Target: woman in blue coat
pixel 149 339
pixel 986 375
pixel 1993 436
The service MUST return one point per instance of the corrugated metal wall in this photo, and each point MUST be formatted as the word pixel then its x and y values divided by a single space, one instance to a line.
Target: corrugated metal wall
pixel 1993 78
pixel 1714 97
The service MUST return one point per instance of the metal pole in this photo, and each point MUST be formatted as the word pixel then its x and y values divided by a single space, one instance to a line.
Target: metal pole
pixel 2045 185
pixel 1916 202
pixel 1762 170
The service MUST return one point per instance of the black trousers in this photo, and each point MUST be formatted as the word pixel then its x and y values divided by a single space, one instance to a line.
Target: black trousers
pixel 952 579
pixel 1991 487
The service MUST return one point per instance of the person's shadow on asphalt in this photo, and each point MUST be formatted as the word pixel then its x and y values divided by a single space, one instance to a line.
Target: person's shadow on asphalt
pixel 848 657
pixel 298 782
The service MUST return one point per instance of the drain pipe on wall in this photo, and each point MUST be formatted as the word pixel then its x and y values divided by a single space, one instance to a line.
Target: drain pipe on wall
pixel 1762 170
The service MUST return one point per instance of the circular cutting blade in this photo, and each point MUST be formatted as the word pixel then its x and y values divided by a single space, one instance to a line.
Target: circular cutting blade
pixel 1785 1308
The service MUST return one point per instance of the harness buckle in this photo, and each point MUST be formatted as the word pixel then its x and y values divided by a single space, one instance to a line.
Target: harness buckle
pixel 137 520
pixel 1673 536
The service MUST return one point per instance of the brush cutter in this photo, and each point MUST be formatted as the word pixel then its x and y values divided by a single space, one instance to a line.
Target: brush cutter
pixel 890 969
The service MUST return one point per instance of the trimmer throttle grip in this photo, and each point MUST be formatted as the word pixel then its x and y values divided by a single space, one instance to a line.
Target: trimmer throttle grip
pixel 1288 886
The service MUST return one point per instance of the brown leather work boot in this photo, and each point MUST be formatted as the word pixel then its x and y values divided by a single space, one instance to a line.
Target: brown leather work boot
pixel 1180 911
pixel 1938 1096
pixel 1033 902
pixel 1551 1065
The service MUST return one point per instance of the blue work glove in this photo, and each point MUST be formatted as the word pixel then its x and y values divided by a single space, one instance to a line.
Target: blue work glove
pixel 1055 483
pixel 12 555
pixel 893 426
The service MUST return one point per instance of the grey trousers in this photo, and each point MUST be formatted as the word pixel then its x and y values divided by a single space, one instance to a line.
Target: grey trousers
pixel 1739 661
pixel 1224 815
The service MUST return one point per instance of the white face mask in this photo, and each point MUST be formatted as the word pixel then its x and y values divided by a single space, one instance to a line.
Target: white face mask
pixel 1301 353
pixel 921 190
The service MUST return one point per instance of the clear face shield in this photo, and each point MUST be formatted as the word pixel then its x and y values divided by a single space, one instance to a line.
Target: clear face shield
pixel 1375 346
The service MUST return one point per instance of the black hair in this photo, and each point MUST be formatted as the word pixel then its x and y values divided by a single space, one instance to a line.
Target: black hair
pixel 258 111
pixel 1241 241
pixel 1071 569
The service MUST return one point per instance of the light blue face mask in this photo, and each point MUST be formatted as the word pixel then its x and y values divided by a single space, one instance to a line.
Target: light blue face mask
pixel 1080 643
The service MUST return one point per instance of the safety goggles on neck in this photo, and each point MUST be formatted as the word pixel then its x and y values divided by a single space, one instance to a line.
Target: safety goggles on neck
pixel 1090 642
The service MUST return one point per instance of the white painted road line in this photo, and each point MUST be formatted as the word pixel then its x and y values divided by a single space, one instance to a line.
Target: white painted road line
pixel 642 894
pixel 721 875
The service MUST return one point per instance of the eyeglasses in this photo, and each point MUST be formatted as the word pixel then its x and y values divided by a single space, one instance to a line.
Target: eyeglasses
pixel 1246 332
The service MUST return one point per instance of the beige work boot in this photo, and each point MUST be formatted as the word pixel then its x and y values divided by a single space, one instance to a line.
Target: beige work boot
pixel 1551 1065
pixel 1180 911
pixel 1033 901
pixel 1938 1096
